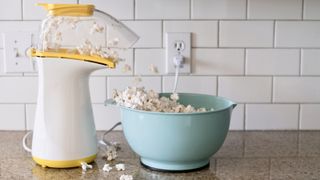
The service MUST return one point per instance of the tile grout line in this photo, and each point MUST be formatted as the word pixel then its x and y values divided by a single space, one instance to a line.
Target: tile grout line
pixel 134 10
pixel 247 12
pixel 302 10
pixel 22 10
pixel 190 11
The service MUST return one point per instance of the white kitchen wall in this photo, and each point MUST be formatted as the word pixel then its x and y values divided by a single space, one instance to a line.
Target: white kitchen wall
pixel 263 54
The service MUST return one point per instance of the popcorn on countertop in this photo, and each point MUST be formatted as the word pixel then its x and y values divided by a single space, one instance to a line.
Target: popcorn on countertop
pixel 106 168
pixel 120 167
pixel 139 98
pixel 85 166
pixel 126 177
pixel 111 153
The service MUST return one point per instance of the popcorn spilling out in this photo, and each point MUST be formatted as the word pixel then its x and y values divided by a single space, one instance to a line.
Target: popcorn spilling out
pixel 107 168
pixel 111 153
pixel 120 167
pixel 139 98
pixel 126 177
pixel 96 28
pixel 85 166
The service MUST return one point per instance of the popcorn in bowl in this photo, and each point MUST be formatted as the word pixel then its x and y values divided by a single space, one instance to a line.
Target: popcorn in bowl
pixel 140 99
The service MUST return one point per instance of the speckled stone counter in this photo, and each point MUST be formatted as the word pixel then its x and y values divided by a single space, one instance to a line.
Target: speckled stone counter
pixel 244 155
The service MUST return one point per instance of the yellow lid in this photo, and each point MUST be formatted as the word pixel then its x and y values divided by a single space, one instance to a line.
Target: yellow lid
pixel 65 53
pixel 68 9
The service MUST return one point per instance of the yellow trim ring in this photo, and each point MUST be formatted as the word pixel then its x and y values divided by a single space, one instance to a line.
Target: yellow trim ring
pixel 64 53
pixel 63 164
pixel 68 9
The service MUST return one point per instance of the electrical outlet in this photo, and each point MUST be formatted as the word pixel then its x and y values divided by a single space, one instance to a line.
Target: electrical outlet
pixel 15 46
pixel 178 43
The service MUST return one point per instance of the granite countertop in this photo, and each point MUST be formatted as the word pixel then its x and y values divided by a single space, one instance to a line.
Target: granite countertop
pixel 244 155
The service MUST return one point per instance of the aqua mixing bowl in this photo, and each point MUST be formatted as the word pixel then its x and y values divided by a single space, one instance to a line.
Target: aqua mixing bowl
pixel 178 141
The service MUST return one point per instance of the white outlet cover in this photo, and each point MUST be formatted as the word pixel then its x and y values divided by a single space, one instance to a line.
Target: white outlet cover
pixel 15 46
pixel 171 52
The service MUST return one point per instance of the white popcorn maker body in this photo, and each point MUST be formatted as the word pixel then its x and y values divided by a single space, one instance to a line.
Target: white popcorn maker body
pixel 64 133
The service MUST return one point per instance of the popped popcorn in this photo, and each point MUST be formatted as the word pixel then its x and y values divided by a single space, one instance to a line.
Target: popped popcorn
pixel 120 167
pixel 106 168
pixel 174 96
pixel 85 166
pixel 96 28
pixel 126 177
pixel 139 98
pixel 111 153
pixel 51 37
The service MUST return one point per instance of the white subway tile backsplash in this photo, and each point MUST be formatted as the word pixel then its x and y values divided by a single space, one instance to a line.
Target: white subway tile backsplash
pixel 122 9
pixel 218 61
pixel 33 12
pixel 98 89
pixel 204 33
pixel 120 83
pixel 246 34
pixel 120 70
pixel 18 89
pixel 10 10
pixel 245 89
pixel 274 9
pixel 310 62
pixel 164 9
pixel 311 9
pixel 309 117
pixel 297 34
pixel 263 54
pixel 30 115
pixel 148 31
pixel 191 84
pixel 105 117
pixel 297 89
pixel 12 117
pixel 272 61
pixel 145 59
pixel 237 118
pixel 218 9
pixel 272 116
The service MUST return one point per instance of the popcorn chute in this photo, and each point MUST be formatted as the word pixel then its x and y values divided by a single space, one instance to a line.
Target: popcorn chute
pixel 74 41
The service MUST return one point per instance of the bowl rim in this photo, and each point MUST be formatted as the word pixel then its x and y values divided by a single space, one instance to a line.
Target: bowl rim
pixel 110 102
